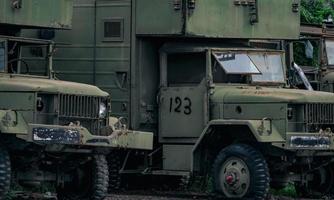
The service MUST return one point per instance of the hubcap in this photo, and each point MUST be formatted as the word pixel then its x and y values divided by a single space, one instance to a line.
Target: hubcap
pixel 234 178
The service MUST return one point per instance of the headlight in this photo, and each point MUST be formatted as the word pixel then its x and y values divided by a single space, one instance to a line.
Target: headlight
pixel 102 110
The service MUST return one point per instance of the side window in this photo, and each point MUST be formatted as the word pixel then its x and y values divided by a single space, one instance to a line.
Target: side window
pixel 186 68
pixel 113 30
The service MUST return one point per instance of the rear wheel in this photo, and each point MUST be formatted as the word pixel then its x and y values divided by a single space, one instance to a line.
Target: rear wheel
pixel 5 173
pixel 240 171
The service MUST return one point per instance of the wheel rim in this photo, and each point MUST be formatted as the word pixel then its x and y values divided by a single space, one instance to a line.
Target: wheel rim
pixel 234 178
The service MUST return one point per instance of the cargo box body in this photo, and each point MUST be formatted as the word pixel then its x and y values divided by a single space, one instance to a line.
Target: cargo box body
pixel 262 19
pixel 37 13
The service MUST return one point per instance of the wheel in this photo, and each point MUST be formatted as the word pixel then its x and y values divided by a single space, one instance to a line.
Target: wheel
pixel 321 184
pixel 5 173
pixel 114 163
pixel 240 171
pixel 88 182
pixel 100 178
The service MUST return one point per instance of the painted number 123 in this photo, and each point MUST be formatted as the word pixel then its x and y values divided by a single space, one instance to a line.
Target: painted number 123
pixel 179 105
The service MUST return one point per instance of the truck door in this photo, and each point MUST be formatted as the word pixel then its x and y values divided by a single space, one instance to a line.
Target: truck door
pixel 183 96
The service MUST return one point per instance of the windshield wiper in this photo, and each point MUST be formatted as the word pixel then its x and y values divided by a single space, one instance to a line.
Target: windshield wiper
pixel 303 77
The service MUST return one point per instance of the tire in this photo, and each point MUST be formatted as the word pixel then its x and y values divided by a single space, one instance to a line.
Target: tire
pixel 240 171
pixel 114 164
pixel 5 173
pixel 320 186
pixel 88 182
pixel 100 178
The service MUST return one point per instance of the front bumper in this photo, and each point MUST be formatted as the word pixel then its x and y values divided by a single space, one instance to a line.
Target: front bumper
pixel 77 135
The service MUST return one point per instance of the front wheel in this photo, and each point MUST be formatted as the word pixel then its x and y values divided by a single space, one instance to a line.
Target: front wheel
pixel 240 171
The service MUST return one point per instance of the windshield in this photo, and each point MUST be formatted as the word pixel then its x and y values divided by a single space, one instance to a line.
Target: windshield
pixel 330 51
pixel 236 63
pixel 271 67
pixel 249 66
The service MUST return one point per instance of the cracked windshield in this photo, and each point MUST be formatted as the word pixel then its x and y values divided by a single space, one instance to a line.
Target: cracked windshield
pixel 235 67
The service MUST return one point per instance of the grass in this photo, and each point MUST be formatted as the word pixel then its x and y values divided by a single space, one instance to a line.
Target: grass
pixel 288 191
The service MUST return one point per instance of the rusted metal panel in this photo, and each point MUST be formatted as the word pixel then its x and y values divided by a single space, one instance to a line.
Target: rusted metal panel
pixel 37 13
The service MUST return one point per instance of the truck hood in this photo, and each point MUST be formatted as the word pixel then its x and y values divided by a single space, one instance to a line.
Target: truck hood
pixel 248 94
pixel 19 83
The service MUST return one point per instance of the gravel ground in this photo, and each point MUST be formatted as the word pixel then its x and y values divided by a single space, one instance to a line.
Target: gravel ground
pixel 143 197
pixel 148 197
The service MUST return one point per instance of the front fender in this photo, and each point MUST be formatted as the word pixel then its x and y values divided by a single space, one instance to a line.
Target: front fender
pixel 264 131
pixel 12 122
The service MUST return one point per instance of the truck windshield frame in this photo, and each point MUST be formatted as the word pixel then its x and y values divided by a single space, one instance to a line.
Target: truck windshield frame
pixel 270 65
pixel 20 43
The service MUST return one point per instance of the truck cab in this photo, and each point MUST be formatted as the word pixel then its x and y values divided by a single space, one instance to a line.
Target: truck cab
pixel 54 134
pixel 237 98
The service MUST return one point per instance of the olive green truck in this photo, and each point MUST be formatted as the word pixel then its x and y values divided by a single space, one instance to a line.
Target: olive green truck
pixel 221 110
pixel 54 135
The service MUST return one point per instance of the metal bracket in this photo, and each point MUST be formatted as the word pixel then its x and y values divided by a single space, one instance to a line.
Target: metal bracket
pixel 253 9
pixel 177 4
pixel 295 7
pixel 191 4
pixel 16 4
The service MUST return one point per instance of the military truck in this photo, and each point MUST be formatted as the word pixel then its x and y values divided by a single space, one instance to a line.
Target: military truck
pixel 54 135
pixel 221 110
pixel 318 40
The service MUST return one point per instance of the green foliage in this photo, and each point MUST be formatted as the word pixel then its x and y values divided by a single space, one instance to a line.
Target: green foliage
pixel 288 191
pixel 315 11
pixel 300 57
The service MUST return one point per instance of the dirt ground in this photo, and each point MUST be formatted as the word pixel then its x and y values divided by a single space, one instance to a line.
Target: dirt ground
pixel 145 197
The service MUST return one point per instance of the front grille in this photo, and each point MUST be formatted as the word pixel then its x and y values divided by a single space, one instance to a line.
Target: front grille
pixel 319 113
pixel 318 116
pixel 84 109
pixel 79 106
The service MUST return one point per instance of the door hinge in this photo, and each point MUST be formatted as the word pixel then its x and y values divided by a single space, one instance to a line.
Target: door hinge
pixel 295 7
pixel 177 4
pixel 253 9
pixel 191 4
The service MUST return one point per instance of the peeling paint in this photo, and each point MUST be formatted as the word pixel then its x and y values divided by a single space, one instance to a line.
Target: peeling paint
pixel 56 135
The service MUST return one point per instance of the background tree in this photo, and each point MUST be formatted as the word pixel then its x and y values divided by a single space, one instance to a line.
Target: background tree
pixel 315 11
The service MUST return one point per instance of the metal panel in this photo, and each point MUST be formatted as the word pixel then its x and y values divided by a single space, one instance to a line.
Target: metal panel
pixel 37 13
pixel 180 106
pixel 177 157
pixel 272 19
pixel 159 17
pixel 89 57
pixel 268 19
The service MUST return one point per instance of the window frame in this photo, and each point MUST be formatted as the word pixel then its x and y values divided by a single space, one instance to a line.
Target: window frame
pixel 113 39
